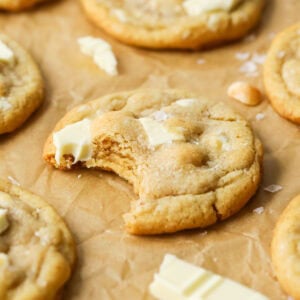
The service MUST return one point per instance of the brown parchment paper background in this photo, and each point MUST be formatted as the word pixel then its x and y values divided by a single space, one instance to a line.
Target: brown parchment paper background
pixel 112 264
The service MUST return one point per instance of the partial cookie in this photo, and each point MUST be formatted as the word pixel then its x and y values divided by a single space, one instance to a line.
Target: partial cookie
pixel 286 249
pixel 37 252
pixel 21 85
pixel 191 162
pixel 190 24
pixel 18 5
pixel 282 74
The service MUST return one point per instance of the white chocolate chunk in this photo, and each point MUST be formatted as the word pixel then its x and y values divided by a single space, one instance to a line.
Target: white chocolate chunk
pixel 158 134
pixel 5 104
pixel 76 140
pixel 6 54
pixel 101 52
pixel 185 102
pixel 3 220
pixel 198 7
pixel 179 280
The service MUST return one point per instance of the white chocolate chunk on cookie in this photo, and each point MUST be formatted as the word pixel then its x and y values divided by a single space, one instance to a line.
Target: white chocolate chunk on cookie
pixel 74 139
pixel 198 7
pixel 6 54
pixel 101 52
pixel 159 134
pixel 4 224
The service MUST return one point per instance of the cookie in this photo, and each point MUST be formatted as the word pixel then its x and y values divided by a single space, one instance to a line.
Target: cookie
pixel 18 5
pixel 282 73
pixel 181 24
pixel 191 162
pixel 21 85
pixel 285 249
pixel 37 251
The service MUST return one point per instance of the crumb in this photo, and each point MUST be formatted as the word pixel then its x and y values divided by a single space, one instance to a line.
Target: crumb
pixel 258 58
pixel 260 116
pixel 79 176
pixel 248 67
pixel 13 181
pixel 245 93
pixel 273 188
pixel 242 55
pixel 259 210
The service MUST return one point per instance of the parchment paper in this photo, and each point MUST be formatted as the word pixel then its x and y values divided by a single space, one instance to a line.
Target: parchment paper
pixel 112 264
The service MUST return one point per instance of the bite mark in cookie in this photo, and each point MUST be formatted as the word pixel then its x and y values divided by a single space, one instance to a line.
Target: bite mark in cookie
pixel 191 162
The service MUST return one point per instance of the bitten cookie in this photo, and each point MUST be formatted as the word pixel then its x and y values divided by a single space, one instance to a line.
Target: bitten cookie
pixel 286 250
pixel 21 85
pixel 186 24
pixel 282 74
pixel 37 251
pixel 191 162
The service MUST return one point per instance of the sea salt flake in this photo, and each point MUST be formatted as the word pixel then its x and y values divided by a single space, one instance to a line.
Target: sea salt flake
pixel 120 15
pixel 248 67
pixel 201 61
pixel 259 210
pixel 260 116
pixel 242 55
pixel 4 104
pixel 273 188
pixel 258 58
pixel 280 54
pixel 160 115
pixel 13 181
